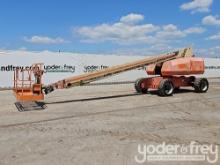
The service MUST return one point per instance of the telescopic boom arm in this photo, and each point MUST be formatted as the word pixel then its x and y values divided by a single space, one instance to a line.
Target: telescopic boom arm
pixel 89 77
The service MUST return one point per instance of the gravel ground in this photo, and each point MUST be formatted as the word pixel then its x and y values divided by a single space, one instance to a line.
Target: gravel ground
pixel 103 125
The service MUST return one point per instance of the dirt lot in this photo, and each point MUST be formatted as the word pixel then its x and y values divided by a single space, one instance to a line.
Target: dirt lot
pixel 103 125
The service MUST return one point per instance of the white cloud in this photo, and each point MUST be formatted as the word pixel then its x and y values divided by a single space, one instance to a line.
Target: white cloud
pixel 211 20
pixel 214 37
pixel 44 40
pixel 208 52
pixel 125 31
pixel 129 31
pixel 197 5
pixel 195 30
pixel 145 51
pixel 170 32
pixel 132 18
pixel 23 48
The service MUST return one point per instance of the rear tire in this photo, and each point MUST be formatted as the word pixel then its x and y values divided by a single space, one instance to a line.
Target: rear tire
pixel 166 88
pixel 201 85
pixel 139 86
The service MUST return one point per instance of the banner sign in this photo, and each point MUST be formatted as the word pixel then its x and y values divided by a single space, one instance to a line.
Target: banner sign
pixel 58 66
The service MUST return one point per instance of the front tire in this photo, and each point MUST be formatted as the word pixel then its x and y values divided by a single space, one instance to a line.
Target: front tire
pixel 139 86
pixel 201 85
pixel 166 88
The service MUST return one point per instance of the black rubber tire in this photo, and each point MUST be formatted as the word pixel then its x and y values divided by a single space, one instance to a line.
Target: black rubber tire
pixel 166 88
pixel 201 85
pixel 137 86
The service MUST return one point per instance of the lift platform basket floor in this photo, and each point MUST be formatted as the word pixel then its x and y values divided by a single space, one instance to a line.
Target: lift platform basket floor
pixel 30 106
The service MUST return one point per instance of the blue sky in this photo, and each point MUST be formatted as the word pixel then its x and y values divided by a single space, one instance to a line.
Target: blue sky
pixel 111 26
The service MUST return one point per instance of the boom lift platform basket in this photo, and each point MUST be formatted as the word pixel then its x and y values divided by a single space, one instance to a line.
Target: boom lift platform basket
pixel 28 87
pixel 28 83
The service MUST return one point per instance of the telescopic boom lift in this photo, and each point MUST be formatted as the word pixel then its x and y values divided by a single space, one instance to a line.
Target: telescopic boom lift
pixel 171 69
